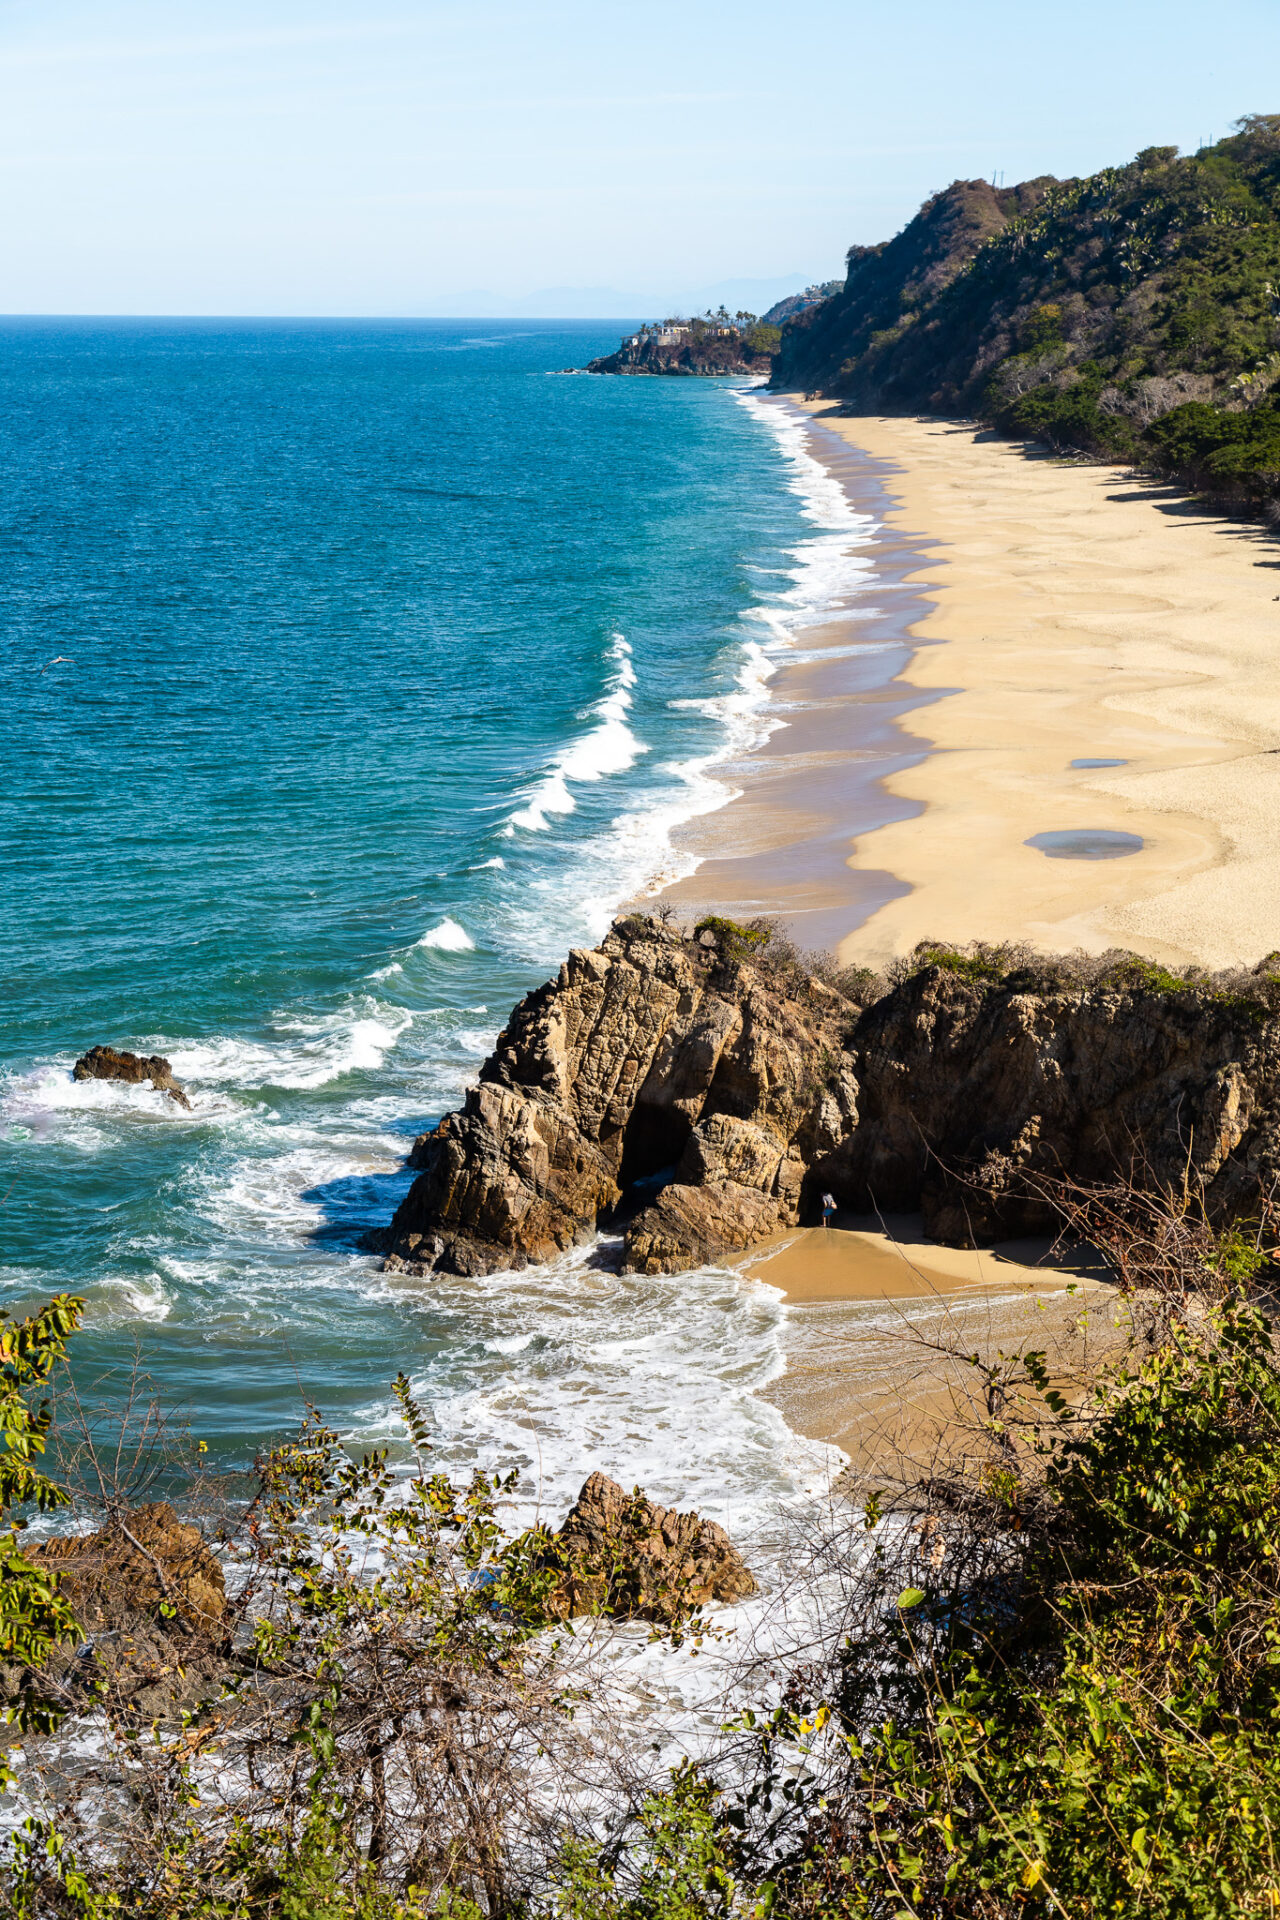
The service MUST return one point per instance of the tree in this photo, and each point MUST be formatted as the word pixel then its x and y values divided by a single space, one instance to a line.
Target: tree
pixel 34 1615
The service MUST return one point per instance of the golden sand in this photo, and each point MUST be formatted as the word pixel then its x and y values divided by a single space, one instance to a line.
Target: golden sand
pixel 890 1259
pixel 880 1344
pixel 1080 613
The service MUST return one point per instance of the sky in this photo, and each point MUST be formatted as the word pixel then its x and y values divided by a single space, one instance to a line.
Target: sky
pixel 320 157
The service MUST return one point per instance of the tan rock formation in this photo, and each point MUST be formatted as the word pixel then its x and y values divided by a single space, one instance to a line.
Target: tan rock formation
pixel 705 1096
pixel 632 1559
pixel 136 1565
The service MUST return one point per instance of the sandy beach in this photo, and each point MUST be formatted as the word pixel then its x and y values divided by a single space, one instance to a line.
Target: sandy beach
pixel 1058 612
pixel 1082 614
pixel 1032 612
pixel 884 1323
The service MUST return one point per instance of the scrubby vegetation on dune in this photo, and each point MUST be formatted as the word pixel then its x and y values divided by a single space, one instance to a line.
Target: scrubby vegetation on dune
pixel 1132 315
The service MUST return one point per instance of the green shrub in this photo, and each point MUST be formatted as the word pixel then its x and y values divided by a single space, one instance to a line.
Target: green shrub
pixel 732 939
pixel 1042 326
pixel 34 1615
pixel 976 962
pixel 762 338
pixel 1092 1731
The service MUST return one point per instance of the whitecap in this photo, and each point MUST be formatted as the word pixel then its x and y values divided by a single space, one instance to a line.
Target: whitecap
pixel 304 1052
pixel 652 1380
pixel 448 937
pixel 142 1299
pixel 609 748
pixel 822 575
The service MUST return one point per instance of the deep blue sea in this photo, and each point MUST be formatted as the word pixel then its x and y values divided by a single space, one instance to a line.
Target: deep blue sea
pixel 393 656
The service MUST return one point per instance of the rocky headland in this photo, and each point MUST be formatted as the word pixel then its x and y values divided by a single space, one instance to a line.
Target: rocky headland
pixel 701 1092
pixel 708 346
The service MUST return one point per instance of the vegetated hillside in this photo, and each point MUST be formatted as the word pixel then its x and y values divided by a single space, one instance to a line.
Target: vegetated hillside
pixel 794 303
pixel 1131 315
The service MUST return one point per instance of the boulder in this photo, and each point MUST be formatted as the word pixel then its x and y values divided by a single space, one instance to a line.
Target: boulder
pixel 134 1566
pixel 106 1063
pixel 629 1558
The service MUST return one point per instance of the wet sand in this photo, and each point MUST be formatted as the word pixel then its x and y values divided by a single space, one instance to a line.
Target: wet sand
pixel 783 845
pixel 883 1326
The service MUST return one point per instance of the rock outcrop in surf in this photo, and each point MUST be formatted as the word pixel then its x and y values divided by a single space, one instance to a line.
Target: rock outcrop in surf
pixel 703 1096
pixel 135 1069
pixel 629 1558
pixel 137 1564
pixel 653 1064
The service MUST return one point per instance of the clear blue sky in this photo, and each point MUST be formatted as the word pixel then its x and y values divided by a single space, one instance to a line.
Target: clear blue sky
pixel 324 157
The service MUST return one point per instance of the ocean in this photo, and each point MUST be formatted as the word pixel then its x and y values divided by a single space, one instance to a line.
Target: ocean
pixel 393 659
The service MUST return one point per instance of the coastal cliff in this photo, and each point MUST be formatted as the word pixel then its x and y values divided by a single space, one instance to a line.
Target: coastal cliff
pixel 1131 314
pixel 703 1092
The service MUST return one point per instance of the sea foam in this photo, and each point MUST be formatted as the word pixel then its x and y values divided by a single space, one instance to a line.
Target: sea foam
pixel 825 573
pixel 609 747
pixel 448 937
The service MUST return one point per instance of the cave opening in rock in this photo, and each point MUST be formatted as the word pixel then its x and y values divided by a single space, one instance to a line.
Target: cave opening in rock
pixel 654 1141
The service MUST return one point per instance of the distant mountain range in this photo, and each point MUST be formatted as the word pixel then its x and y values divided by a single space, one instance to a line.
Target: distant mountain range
pixel 1133 315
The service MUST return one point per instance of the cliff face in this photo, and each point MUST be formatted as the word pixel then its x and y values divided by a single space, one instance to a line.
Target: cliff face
pixel 1132 314
pixel 705 1098
pixel 652 1058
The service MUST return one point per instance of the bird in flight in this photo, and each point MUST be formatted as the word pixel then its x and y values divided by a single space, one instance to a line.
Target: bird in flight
pixel 59 660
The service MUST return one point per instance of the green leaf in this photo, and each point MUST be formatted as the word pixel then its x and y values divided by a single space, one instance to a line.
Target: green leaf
pixel 910 1597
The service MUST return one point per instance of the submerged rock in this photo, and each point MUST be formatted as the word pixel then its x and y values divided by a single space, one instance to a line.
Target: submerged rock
pixel 629 1558
pixel 136 1069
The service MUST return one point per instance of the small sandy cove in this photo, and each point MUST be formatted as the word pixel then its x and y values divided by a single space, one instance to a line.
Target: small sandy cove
pixel 889 1258
pixel 880 1357
pixel 1078 613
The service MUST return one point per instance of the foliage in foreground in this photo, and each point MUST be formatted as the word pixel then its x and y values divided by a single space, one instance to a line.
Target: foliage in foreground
pixel 1058 1690
pixel 34 1615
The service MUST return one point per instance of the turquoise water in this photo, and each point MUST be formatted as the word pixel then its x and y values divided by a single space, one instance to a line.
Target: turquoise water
pixel 393 658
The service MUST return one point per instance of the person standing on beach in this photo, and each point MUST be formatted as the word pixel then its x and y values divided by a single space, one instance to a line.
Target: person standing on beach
pixel 828 1208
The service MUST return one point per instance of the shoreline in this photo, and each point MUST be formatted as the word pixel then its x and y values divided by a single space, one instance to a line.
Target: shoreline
pixel 1035 612
pixel 839 707
pixel 1038 611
